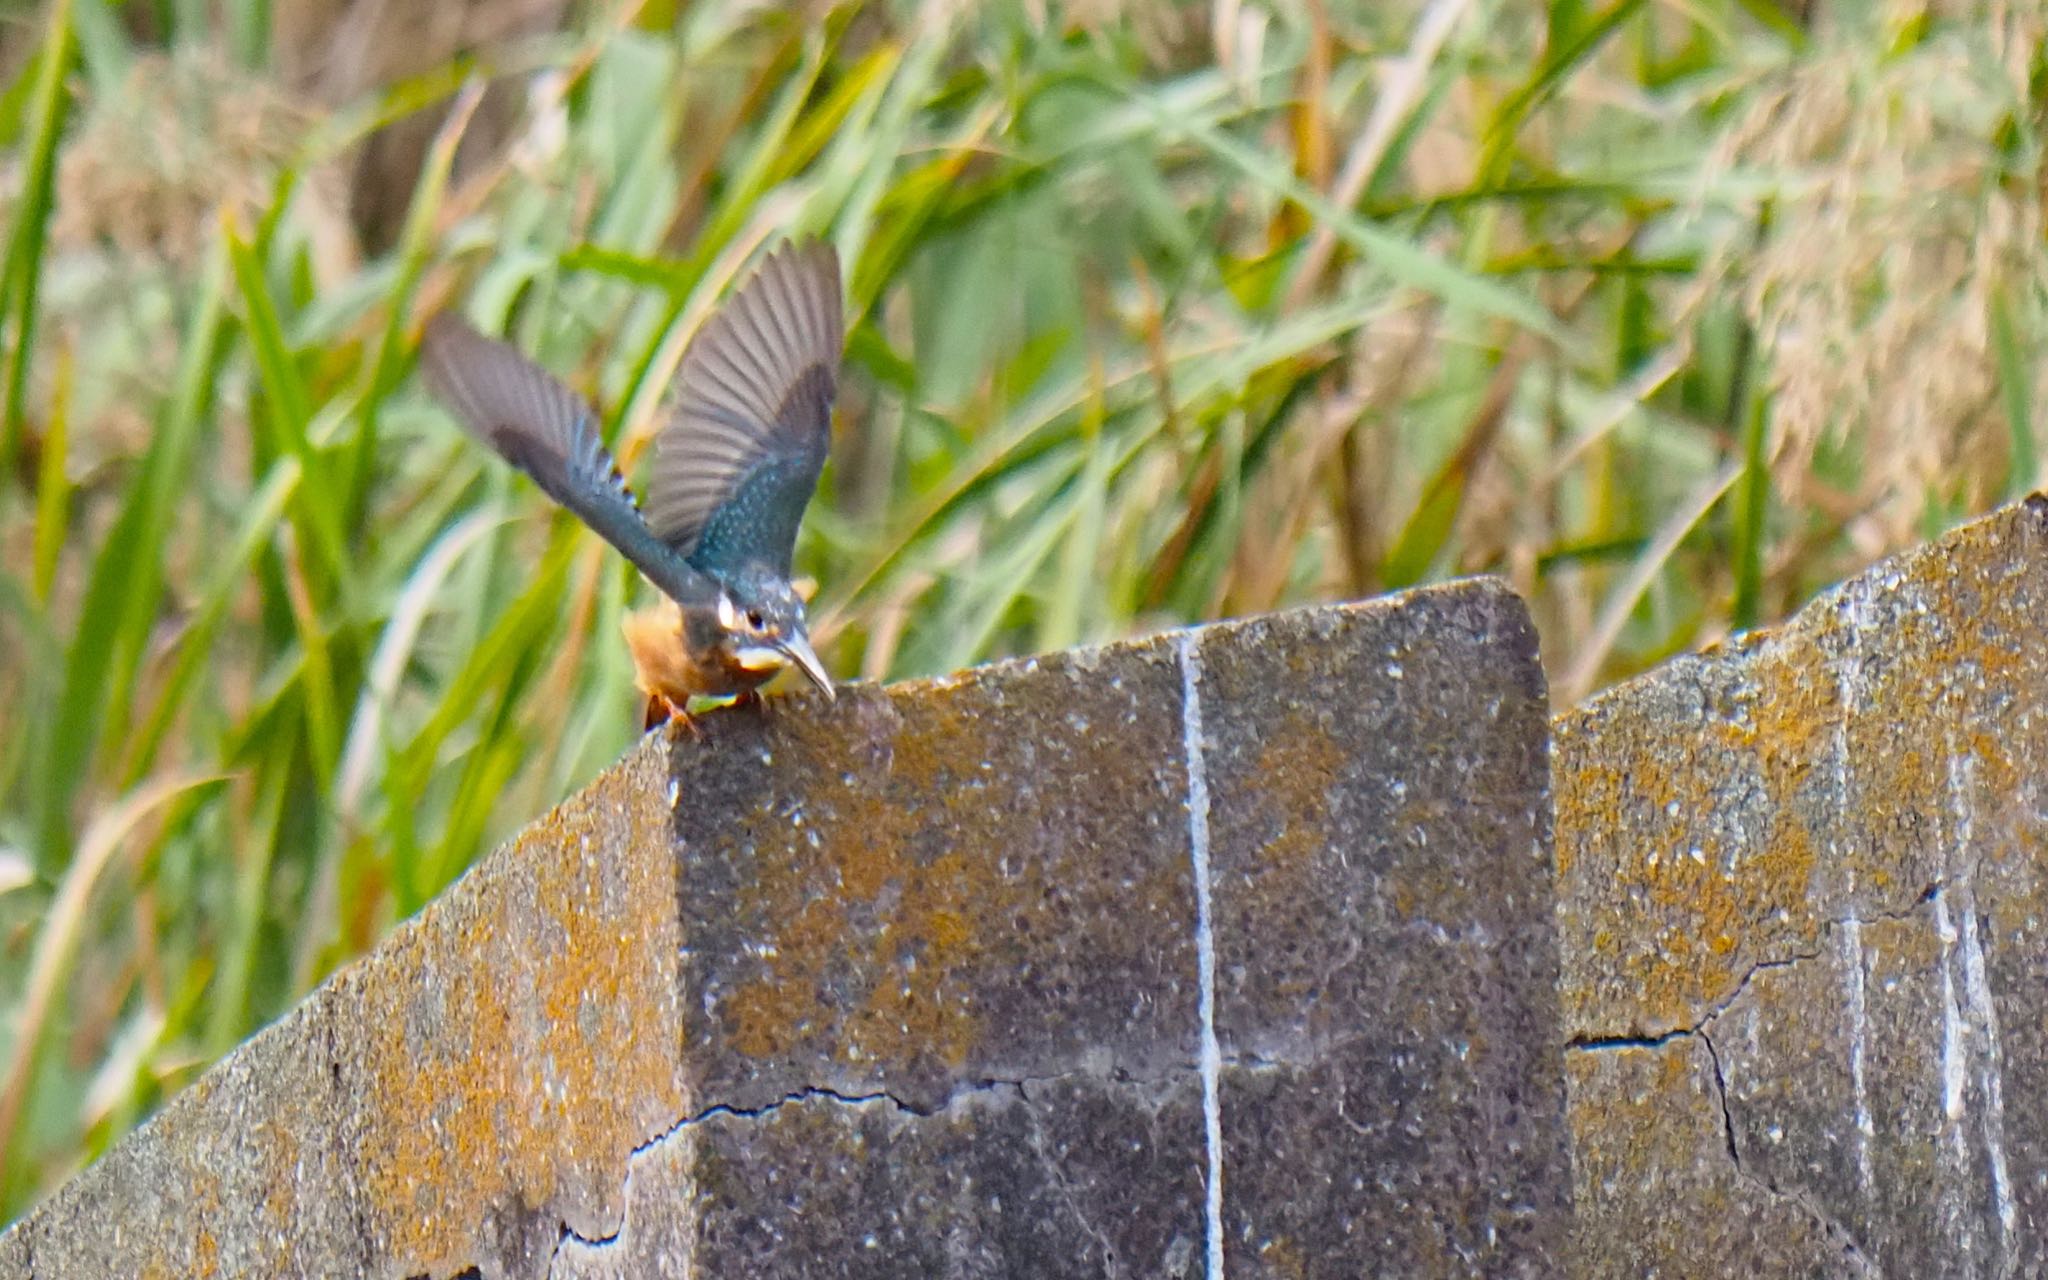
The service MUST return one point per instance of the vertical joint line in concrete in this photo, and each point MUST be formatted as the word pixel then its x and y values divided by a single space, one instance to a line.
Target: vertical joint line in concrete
pixel 1205 943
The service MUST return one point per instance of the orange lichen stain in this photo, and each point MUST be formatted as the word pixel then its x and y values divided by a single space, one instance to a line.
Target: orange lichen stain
pixel 1877 711
pixel 1404 901
pixel 1281 1257
pixel 1645 1125
pixel 931 937
pixel 1662 818
pixel 878 945
pixel 929 917
pixel 206 1203
pixel 280 1201
pixel 1297 768
pixel 949 929
pixel 522 1031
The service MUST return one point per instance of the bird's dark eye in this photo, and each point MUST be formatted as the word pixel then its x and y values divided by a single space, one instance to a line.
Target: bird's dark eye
pixel 754 619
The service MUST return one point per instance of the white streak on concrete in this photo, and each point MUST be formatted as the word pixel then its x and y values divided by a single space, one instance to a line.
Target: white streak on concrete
pixel 1953 1218
pixel 1982 1011
pixel 1954 1050
pixel 1859 1033
pixel 1991 1074
pixel 1849 686
pixel 1205 941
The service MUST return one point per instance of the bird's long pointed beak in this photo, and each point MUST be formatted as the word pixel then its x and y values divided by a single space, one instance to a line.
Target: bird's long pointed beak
pixel 798 647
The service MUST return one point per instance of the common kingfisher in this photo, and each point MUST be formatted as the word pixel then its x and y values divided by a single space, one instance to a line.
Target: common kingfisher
pixel 735 465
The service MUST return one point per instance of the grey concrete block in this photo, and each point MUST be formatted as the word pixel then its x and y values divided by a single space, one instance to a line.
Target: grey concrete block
pixel 1077 1177
pixel 1379 825
pixel 976 878
pixel 1819 853
pixel 916 984
pixel 246 1173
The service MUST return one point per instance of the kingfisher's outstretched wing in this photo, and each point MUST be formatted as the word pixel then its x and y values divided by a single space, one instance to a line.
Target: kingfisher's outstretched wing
pixel 550 433
pixel 739 458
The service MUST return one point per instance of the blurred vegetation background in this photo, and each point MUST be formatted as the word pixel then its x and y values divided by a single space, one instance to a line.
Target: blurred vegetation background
pixel 1672 313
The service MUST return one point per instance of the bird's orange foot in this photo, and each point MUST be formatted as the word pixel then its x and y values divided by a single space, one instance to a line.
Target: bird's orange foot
pixel 661 711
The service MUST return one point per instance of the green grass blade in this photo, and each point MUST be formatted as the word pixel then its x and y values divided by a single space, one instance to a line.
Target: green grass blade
pixel 1207 366
pixel 1403 260
pixel 57 944
pixel 523 629
pixel 1557 66
pixel 1585 668
pixel 394 652
pixel 121 598
pixel 261 516
pixel 1752 501
pixel 2016 394
pixel 415 244
pixel 228 1013
pixel 280 375
pixel 289 414
pixel 1079 583
pixel 103 47
pixel 317 679
pixel 53 486
pixel 21 274
pixel 248 29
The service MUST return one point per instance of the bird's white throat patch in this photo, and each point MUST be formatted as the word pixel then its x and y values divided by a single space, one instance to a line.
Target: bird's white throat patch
pixel 760 657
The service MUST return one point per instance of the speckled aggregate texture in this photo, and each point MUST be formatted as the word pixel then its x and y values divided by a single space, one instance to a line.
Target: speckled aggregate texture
pixel 1802 902
pixel 1070 1178
pixel 969 879
pixel 915 985
pixel 984 932
pixel 1385 953
pixel 454 1100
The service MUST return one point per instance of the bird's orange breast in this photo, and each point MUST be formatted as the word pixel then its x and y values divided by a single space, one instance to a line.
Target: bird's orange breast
pixel 664 667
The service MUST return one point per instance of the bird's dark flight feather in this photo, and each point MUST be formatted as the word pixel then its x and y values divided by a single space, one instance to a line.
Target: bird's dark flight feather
pixel 740 455
pixel 550 433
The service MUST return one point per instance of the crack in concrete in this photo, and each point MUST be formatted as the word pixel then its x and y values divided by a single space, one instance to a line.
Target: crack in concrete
pixel 568 1235
pixel 1721 1096
pixel 1829 1225
pixel 1832 1227
pixel 809 1093
pixel 1638 1039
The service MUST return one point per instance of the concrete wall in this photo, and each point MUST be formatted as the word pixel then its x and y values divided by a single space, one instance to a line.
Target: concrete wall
pixel 1230 952
pixel 1802 904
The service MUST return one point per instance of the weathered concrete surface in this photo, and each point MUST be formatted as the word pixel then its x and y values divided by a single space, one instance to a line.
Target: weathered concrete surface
pixel 919 984
pixel 1802 903
pixel 1380 843
pixel 1076 1177
pixel 994 890
pixel 983 878
pixel 452 1100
